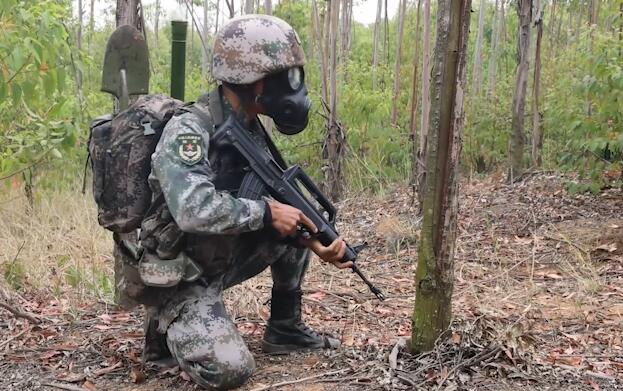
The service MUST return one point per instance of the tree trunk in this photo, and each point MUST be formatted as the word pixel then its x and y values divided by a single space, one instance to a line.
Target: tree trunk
pixel 402 10
pixel 79 44
pixel 435 266
pixel 322 60
pixel 386 35
pixel 156 23
pixel 426 74
pixel 218 16
pixel 205 59
pixel 477 71
pixel 334 142
pixel 552 24
pixel 519 96
pixel 495 42
pixel 594 13
pixel 345 33
pixel 621 30
pixel 230 7
pixel 128 12
pixel 248 6
pixel 537 116
pixel 414 100
pixel 268 7
pixel 91 23
pixel 375 50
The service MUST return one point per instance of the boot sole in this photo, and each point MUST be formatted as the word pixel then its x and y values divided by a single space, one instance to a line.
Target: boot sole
pixel 270 348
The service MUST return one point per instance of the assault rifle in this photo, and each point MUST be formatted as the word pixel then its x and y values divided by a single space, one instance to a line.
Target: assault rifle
pixel 288 186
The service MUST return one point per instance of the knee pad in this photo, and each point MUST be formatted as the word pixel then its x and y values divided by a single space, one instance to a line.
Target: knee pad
pixel 220 375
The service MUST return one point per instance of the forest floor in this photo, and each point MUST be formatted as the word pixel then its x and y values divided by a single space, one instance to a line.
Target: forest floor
pixel 538 304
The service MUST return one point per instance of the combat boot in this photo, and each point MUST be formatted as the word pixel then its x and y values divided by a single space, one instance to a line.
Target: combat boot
pixel 155 351
pixel 286 331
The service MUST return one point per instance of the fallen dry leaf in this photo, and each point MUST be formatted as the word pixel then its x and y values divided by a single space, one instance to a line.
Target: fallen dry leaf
pixel 185 376
pixel 136 376
pixel 87 385
pixel 610 247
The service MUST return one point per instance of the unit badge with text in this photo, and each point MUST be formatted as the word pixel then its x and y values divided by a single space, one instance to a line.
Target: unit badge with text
pixel 189 148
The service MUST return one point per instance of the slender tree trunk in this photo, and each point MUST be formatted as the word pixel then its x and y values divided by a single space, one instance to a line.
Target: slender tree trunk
pixel 402 10
pixel 156 23
pixel 519 97
pixel 334 143
pixel 594 15
pixel 79 44
pixel 191 10
pixel 128 12
pixel 345 33
pixel 322 60
pixel 435 265
pixel 414 100
pixel 248 6
pixel 537 115
pixel 327 39
pixel 216 22
pixel 477 71
pixel 91 23
pixel 578 23
pixel 552 25
pixel 502 21
pixel 375 50
pixel 230 7
pixel 267 121
pixel 621 30
pixel 386 35
pixel 495 42
pixel 205 58
pixel 426 75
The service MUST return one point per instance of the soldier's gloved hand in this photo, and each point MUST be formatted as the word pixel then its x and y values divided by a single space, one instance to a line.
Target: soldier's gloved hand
pixel 286 219
pixel 332 253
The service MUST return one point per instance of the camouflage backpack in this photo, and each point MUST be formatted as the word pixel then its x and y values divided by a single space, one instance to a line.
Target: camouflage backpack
pixel 120 149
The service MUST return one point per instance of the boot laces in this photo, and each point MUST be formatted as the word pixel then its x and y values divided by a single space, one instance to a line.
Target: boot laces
pixel 306 329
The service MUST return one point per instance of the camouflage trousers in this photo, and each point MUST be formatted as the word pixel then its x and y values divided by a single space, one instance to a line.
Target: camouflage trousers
pixel 200 334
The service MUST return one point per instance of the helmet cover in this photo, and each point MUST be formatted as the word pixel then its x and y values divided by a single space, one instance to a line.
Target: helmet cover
pixel 251 47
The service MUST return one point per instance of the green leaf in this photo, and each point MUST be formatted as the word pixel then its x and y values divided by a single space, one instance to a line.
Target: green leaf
pixel 16 93
pixel 48 83
pixel 55 153
pixel 27 90
pixel 60 79
pixel 3 88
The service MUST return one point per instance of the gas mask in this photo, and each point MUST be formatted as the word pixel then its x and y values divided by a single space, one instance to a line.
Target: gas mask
pixel 285 100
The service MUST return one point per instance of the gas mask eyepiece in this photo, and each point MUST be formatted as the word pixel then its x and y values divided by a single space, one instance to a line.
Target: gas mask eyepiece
pixel 285 100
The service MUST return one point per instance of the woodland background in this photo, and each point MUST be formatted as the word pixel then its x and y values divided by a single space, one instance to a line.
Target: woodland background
pixel 542 145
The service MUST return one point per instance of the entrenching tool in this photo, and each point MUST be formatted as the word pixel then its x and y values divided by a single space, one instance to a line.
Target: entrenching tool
pixel 126 65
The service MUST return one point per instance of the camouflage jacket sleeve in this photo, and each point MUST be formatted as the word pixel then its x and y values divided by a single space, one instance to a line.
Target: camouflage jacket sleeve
pixel 186 181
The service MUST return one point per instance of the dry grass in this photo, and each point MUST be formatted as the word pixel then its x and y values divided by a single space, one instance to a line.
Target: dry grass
pixel 57 247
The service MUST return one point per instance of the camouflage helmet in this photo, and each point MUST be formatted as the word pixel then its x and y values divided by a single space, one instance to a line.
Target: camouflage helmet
pixel 251 47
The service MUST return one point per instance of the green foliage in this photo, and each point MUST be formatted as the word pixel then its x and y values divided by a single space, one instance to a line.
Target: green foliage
pixel 43 119
pixel 15 274
pixel 587 126
pixel 35 60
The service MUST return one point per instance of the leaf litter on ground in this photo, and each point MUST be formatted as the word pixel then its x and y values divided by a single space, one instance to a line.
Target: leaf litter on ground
pixel 536 304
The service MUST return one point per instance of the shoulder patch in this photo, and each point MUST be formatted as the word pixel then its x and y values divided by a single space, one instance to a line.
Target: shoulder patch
pixel 189 148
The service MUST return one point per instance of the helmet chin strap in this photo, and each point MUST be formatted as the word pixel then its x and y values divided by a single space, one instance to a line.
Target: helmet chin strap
pixel 244 103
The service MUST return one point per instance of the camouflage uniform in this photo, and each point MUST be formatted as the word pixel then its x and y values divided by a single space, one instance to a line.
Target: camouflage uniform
pixel 196 216
pixel 224 235
pixel 254 46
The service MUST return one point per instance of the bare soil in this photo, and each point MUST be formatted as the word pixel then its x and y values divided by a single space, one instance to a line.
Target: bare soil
pixel 538 305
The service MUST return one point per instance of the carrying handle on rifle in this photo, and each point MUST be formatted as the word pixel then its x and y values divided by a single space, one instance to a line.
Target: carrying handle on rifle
pixel 296 172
